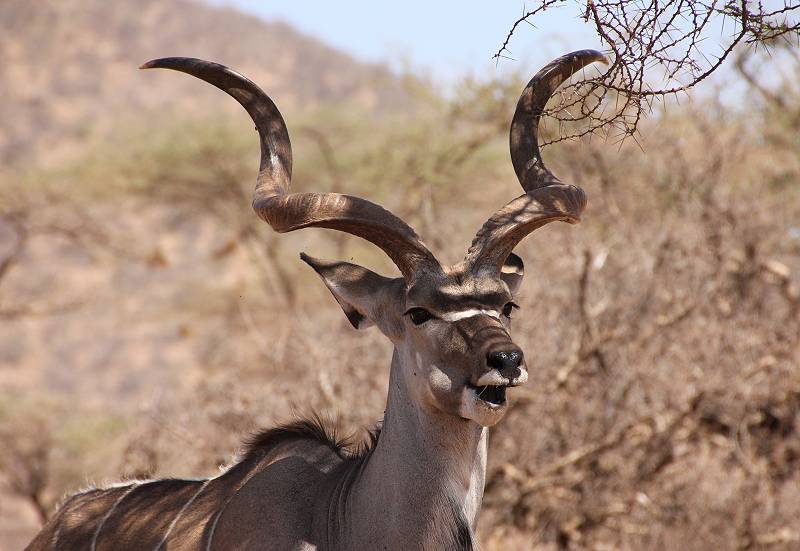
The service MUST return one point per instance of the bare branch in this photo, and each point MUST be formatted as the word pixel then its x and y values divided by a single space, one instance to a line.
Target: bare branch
pixel 653 41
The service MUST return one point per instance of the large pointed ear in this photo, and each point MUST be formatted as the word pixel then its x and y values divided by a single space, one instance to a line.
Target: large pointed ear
pixel 512 272
pixel 367 298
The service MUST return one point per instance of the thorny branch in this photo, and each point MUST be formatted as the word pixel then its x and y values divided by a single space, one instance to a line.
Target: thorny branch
pixel 650 42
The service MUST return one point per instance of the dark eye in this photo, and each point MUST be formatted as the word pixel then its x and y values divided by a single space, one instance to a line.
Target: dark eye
pixel 508 308
pixel 419 315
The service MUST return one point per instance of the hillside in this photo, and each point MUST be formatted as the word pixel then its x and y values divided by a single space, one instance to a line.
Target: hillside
pixel 68 67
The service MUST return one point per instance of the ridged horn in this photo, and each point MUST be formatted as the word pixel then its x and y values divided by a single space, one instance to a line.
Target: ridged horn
pixel 286 211
pixel 546 199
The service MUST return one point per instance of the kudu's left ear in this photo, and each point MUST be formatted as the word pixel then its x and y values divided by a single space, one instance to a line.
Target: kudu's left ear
pixel 367 298
pixel 512 272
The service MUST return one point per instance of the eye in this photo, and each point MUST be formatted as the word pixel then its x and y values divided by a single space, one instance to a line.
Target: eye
pixel 508 308
pixel 419 315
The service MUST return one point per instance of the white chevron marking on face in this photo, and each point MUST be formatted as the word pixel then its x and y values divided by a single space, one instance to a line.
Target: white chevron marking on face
pixel 455 316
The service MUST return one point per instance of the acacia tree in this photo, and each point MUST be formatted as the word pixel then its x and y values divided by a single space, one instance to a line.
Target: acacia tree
pixel 657 49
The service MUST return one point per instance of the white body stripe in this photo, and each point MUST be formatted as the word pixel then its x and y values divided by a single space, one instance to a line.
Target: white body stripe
pixel 178 516
pixel 108 515
pixel 455 316
pixel 213 528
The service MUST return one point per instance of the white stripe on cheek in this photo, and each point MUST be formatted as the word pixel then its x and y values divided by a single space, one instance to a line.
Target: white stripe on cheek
pixel 455 316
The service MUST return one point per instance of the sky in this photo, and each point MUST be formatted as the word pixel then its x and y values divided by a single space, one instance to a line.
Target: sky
pixel 447 40
pixel 444 39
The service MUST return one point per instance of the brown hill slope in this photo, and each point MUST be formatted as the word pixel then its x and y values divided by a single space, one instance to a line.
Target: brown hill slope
pixel 68 67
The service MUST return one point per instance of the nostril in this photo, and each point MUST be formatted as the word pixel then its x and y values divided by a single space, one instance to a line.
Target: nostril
pixel 504 359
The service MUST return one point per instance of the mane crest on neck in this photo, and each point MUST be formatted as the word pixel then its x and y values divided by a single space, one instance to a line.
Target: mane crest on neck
pixel 314 428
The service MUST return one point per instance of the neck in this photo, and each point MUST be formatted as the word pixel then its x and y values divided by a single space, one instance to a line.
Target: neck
pixel 422 485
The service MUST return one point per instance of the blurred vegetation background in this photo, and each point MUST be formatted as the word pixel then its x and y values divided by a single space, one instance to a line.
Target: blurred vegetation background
pixel 149 321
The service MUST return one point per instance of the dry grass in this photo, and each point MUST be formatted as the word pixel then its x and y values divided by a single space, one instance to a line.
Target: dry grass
pixel 149 322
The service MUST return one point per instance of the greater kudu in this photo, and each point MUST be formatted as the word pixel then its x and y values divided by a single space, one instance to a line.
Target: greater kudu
pixel 420 483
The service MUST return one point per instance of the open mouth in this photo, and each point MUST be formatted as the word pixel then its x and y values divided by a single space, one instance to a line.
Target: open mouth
pixel 495 395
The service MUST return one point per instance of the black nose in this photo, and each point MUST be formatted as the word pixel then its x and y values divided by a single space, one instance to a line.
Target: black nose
pixel 504 359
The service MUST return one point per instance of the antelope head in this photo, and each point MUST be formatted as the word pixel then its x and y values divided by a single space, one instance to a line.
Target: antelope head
pixel 450 325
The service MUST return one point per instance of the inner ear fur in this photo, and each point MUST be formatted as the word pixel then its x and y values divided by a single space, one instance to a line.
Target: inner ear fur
pixel 366 298
pixel 512 272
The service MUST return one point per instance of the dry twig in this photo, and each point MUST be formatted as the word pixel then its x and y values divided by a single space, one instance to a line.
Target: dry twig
pixel 649 41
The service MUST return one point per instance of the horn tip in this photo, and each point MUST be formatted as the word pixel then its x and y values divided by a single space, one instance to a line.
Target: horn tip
pixel 592 56
pixel 152 64
pixel 176 63
pixel 600 57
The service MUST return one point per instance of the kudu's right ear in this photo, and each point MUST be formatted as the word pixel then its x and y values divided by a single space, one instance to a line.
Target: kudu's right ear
pixel 367 298
pixel 512 272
